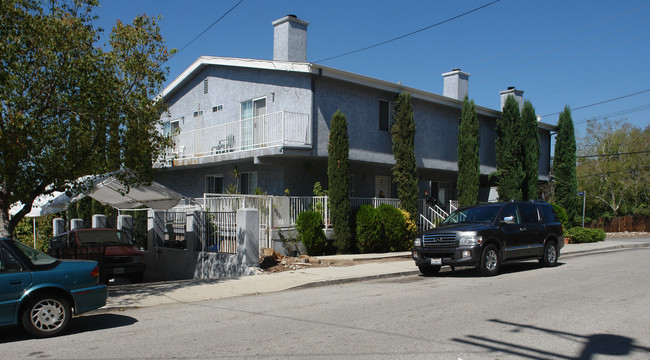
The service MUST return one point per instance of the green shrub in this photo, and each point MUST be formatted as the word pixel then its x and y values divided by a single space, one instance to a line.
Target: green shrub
pixel 562 215
pixel 369 230
pixel 310 231
pixel 642 209
pixel 397 234
pixel 579 235
pixel 411 229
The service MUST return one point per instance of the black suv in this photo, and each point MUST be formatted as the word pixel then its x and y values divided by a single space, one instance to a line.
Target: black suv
pixel 486 235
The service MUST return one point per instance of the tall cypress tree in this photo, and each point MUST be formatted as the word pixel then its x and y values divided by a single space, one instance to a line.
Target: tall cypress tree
pixel 338 175
pixel 405 169
pixel 564 165
pixel 510 173
pixel 531 150
pixel 468 155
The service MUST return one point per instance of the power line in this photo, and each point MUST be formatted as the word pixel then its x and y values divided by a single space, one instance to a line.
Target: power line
pixel 627 153
pixel 616 113
pixel 614 172
pixel 409 34
pixel 601 102
pixel 209 27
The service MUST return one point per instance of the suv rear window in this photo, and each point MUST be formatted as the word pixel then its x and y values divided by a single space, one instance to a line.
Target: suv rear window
pixel 549 213
pixel 528 213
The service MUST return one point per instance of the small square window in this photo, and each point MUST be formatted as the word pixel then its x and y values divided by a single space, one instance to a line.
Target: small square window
pixel 217 108
pixel 198 113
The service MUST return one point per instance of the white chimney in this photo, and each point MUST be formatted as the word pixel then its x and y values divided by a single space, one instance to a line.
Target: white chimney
pixel 456 84
pixel 290 39
pixel 518 94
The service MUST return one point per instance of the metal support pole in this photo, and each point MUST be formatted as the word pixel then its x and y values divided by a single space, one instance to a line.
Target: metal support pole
pixel 584 199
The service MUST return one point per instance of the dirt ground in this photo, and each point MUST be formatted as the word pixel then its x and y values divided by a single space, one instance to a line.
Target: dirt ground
pixel 288 263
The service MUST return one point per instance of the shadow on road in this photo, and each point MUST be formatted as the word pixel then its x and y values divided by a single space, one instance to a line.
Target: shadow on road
pixel 78 325
pixel 131 294
pixel 470 272
pixel 593 344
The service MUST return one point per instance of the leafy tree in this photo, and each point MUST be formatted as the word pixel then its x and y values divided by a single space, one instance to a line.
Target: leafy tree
pixel 338 174
pixel 468 155
pixel 564 165
pixel 69 108
pixel 616 183
pixel 26 233
pixel 405 169
pixel 530 151
pixel 510 172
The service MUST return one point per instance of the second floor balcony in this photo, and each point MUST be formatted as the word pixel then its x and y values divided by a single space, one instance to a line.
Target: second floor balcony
pixel 255 135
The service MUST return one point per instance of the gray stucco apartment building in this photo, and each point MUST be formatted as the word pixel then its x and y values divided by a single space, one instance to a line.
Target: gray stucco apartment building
pixel 241 124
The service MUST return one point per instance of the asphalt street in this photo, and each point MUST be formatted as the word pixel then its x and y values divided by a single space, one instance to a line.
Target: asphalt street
pixel 589 307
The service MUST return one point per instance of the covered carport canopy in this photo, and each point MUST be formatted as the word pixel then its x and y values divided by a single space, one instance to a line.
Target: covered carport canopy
pixel 108 190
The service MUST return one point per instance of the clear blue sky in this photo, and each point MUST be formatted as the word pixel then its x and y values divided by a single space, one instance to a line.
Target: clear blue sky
pixel 559 53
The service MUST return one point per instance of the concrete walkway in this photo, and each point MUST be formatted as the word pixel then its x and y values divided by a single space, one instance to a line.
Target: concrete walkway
pixel 185 291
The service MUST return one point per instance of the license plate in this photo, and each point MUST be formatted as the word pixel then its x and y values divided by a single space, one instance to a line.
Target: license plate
pixel 437 261
pixel 118 271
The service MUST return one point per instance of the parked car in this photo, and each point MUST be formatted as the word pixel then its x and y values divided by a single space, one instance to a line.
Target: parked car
pixel 41 293
pixel 487 235
pixel 117 256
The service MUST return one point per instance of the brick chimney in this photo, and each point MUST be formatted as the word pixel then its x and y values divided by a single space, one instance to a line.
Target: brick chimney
pixel 456 84
pixel 518 94
pixel 290 39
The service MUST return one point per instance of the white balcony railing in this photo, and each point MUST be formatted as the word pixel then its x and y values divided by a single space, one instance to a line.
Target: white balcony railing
pixel 280 129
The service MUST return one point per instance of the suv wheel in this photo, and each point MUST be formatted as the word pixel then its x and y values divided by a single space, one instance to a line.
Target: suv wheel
pixel 429 270
pixel 46 316
pixel 490 260
pixel 549 258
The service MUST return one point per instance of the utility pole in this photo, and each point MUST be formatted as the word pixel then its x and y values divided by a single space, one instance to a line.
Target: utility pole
pixel 584 198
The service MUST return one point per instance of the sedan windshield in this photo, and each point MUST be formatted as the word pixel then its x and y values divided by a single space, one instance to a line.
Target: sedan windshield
pixel 481 214
pixel 35 256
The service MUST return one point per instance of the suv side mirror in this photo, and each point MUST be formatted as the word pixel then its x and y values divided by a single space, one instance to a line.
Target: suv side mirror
pixel 508 220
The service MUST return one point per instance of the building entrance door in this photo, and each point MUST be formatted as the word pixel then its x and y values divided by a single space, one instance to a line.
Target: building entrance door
pixel 382 186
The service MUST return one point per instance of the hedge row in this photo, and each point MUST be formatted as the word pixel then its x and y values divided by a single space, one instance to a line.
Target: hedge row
pixel 579 235
pixel 385 228
pixel 380 229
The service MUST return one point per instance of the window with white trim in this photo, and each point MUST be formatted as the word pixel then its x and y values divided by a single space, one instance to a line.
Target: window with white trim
pixel 171 127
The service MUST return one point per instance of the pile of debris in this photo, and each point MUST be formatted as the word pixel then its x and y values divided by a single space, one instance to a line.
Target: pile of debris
pixel 272 261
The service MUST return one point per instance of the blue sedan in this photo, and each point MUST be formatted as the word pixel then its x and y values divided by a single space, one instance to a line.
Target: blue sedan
pixel 41 292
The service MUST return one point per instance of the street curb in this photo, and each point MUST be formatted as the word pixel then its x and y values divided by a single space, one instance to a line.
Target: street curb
pixel 606 249
pixel 354 279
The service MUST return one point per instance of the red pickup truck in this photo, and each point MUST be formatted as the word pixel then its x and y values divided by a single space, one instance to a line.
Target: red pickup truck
pixel 112 249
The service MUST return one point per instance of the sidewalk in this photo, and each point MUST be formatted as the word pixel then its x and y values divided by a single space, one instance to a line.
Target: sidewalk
pixel 185 291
